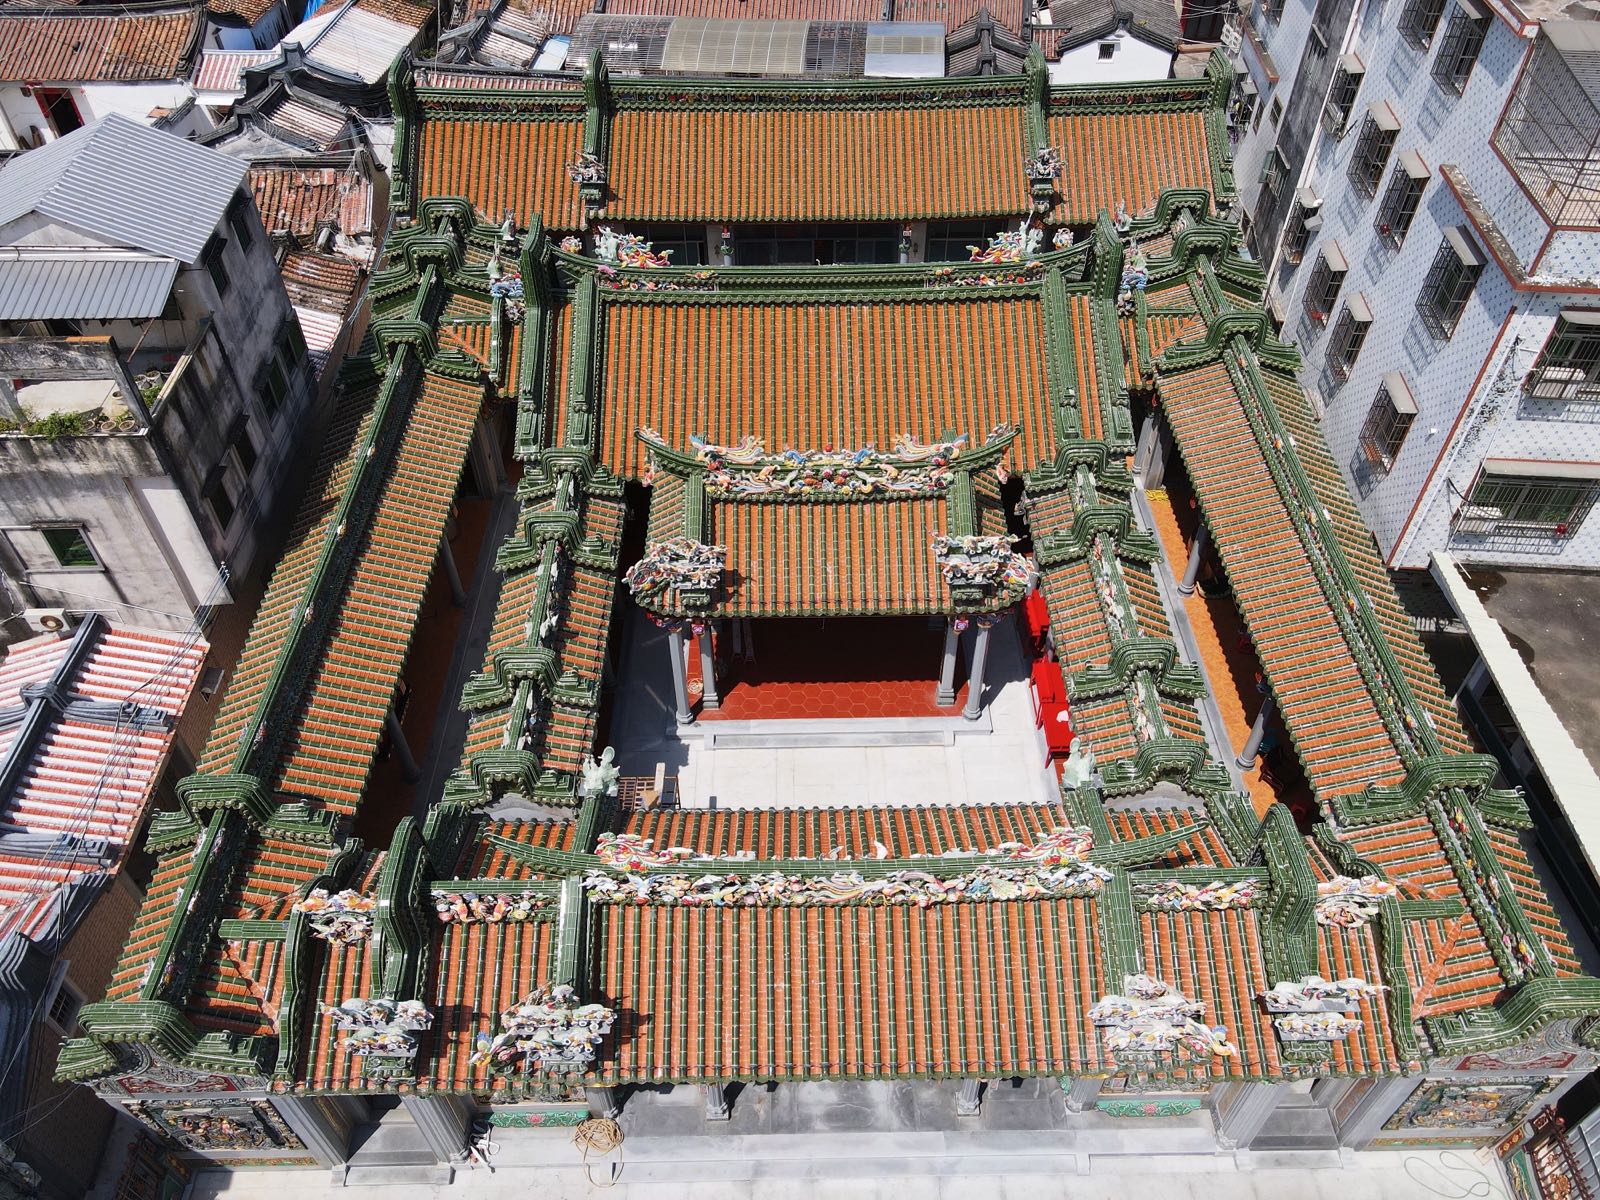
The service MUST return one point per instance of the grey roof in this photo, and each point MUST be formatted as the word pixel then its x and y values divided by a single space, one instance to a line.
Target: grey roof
pixel 53 284
pixel 1079 21
pixel 122 182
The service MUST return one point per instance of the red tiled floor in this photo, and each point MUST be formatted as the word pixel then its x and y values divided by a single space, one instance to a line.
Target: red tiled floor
pixel 857 667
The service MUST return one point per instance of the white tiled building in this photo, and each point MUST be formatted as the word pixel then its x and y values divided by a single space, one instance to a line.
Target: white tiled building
pixel 1422 179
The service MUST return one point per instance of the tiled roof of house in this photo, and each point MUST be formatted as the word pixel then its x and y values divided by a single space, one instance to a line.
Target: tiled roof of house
pixel 872 150
pixel 717 969
pixel 98 45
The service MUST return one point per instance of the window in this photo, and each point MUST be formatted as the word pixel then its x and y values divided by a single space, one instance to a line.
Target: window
pixel 60 110
pixel 1322 288
pixel 1401 200
pixel 1272 10
pixel 1277 110
pixel 1304 220
pixel 1348 336
pixel 211 258
pixel 64 1007
pixel 1371 155
pixel 1108 51
pixel 1388 421
pixel 1532 497
pixel 1274 174
pixel 1418 21
pixel 1347 79
pixel 215 490
pixel 243 445
pixel 70 545
pixel 239 222
pixel 948 240
pixel 1568 367
pixel 1463 38
pixel 1245 106
pixel 272 388
pixel 1449 284
pixel 778 245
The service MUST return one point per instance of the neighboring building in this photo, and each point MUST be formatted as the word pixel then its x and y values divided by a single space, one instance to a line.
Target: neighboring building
pixel 62 68
pixel 984 46
pixel 87 722
pixel 155 379
pixel 731 471
pixel 1419 182
pixel 1108 41
pixel 241 25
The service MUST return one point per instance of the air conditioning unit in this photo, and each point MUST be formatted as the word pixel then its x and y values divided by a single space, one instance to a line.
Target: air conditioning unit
pixel 45 620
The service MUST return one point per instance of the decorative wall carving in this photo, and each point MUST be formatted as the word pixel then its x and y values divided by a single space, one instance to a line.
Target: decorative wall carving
pixel 217 1125
pixel 1440 1104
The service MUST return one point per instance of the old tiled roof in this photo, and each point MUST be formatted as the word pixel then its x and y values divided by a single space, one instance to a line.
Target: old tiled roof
pixel 248 11
pixel 825 374
pixel 501 166
pixel 1127 158
pixel 98 45
pixel 223 70
pixel 299 197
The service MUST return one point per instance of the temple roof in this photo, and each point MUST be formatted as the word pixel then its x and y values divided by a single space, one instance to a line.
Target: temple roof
pixel 975 940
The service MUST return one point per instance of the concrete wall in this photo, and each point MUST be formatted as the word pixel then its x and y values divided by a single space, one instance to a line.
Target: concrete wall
pixel 142 497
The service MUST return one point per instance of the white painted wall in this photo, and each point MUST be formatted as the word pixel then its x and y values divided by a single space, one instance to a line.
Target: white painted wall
pixel 1134 59
pixel 135 100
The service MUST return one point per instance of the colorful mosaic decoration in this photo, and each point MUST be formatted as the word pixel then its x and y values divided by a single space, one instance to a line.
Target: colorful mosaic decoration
pixel 217 1125
pixel 1174 895
pixel 1010 246
pixel 587 168
pixel 380 1028
pixel 463 908
pixel 561 1118
pixel 627 249
pixel 551 1031
pixel 1316 1026
pixel 342 917
pixel 1312 994
pixel 1350 902
pixel 1439 1104
pixel 750 471
pixel 917 888
pixel 678 565
pixel 978 561
pixel 1153 1017
pixel 629 852
pixel 1164 1106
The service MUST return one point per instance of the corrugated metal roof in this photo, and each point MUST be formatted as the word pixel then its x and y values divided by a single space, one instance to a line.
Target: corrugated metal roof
pixel 124 182
pixel 46 285
pixel 360 44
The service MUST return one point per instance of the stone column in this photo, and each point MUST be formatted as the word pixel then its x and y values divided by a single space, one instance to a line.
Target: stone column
pixel 401 748
pixel 708 667
pixel 980 656
pixel 444 1122
pixel 1252 745
pixel 602 1101
pixel 946 693
pixel 969 1101
pixel 458 594
pixel 1150 458
pixel 1376 1105
pixel 1082 1093
pixel 680 678
pixel 313 1121
pixel 1197 555
pixel 1241 1109
pixel 717 1108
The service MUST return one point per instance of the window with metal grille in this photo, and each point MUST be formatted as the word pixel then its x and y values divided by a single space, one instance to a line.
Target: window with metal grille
pixel 1378 130
pixel 1401 199
pixel 1322 288
pixel 1419 20
pixel 1388 421
pixel 1341 103
pixel 1509 497
pixel 1463 38
pixel 1348 336
pixel 1449 283
pixel 239 222
pixel 1274 174
pixel 1272 10
pixel 1305 218
pixel 1568 368
pixel 211 257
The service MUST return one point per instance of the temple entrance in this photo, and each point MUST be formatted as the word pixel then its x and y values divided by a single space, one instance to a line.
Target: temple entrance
pixel 801 668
